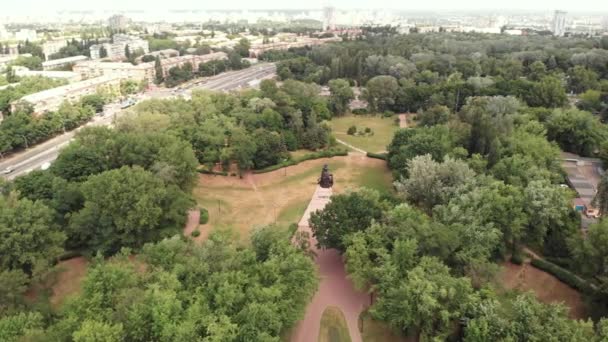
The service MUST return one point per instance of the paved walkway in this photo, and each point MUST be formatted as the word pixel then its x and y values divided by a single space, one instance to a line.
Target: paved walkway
pixel 402 120
pixel 335 289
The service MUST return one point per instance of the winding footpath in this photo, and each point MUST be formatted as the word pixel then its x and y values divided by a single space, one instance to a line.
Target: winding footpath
pixel 335 288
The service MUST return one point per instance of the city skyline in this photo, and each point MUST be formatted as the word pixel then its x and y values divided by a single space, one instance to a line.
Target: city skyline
pixel 38 6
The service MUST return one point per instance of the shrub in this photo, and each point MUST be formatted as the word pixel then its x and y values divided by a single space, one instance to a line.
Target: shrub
pixel 564 275
pixel 204 218
pixel 352 130
pixel 209 172
pixel 196 233
pixel 331 152
pixel 360 111
pixel 377 155
pixel 368 130
pixel 388 114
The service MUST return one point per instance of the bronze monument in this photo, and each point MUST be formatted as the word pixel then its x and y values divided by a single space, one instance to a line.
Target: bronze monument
pixel 327 179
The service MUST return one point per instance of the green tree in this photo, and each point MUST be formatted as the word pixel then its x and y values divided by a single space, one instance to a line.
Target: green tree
pixel 127 207
pixel 242 48
pixel 29 240
pixel 582 79
pixel 93 331
pixel 549 93
pixel 426 301
pixel 341 95
pixel 158 70
pixel 380 93
pixel 435 115
pixel 344 215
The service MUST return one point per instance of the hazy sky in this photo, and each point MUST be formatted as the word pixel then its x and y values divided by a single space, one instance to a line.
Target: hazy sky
pixel 24 6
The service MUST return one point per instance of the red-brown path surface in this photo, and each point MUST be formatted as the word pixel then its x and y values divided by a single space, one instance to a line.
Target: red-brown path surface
pixel 335 288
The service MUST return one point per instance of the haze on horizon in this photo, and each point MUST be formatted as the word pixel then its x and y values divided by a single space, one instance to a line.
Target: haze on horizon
pixel 37 6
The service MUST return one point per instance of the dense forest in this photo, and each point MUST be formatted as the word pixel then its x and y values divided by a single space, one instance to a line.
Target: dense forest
pixel 477 181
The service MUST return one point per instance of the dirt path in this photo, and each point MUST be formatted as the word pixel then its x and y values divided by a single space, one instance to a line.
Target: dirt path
pixel 402 120
pixel 335 289
pixel 350 146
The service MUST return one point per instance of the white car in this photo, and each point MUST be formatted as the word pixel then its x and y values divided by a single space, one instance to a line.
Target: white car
pixel 7 170
pixel 45 166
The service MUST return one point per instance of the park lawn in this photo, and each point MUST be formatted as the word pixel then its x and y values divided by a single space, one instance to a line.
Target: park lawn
pixel 280 196
pixel 383 129
pixel 333 326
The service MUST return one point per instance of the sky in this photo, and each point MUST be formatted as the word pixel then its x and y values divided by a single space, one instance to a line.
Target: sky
pixel 24 6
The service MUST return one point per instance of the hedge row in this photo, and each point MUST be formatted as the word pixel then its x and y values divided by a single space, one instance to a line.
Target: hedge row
pixel 382 156
pixel 564 275
pixel 209 172
pixel 333 152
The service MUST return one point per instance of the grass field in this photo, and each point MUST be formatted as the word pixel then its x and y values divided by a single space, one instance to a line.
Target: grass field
pixel 333 326
pixel 383 128
pixel 280 196
pixel 376 331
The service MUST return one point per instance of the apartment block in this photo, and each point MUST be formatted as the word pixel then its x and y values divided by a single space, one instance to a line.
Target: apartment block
pixel 62 62
pixel 51 99
pixel 116 49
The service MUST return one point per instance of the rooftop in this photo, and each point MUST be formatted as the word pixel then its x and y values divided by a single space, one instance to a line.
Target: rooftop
pixel 61 91
pixel 72 59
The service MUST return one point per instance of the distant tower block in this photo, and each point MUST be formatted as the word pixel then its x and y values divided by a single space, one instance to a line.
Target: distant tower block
pixel 558 26
pixel 329 18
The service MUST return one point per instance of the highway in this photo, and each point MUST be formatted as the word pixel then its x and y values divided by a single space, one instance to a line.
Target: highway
pixel 46 152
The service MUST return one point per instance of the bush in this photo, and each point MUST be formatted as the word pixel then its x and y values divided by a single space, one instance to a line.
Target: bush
pixel 368 130
pixel 352 130
pixel 564 275
pixel 204 216
pixel 209 172
pixel 196 233
pixel 377 155
pixel 388 114
pixel 360 111
pixel 331 152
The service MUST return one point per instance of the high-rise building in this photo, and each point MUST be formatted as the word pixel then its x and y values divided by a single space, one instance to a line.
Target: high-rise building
pixel 558 26
pixel 118 22
pixel 605 23
pixel 3 33
pixel 329 18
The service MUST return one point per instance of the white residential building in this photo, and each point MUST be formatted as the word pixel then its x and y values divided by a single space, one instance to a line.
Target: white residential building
pixel 26 34
pixel 116 49
pixel 69 76
pixel 58 63
pixel 51 99
pixel 53 46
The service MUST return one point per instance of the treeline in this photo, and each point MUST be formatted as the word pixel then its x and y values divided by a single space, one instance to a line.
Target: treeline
pixel 254 128
pixel 180 74
pixel 21 129
pixel 416 71
pixel 75 48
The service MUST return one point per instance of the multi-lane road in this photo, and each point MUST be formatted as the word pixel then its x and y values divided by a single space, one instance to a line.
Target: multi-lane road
pixel 41 154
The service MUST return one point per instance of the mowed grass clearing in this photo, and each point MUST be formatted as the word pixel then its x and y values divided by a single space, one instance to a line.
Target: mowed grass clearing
pixel 281 196
pixel 383 129
pixel 333 326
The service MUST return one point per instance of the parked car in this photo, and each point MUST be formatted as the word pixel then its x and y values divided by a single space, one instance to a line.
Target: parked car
pixel 7 170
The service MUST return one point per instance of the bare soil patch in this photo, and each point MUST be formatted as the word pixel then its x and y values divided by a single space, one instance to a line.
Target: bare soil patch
pixel 70 275
pixel 545 287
